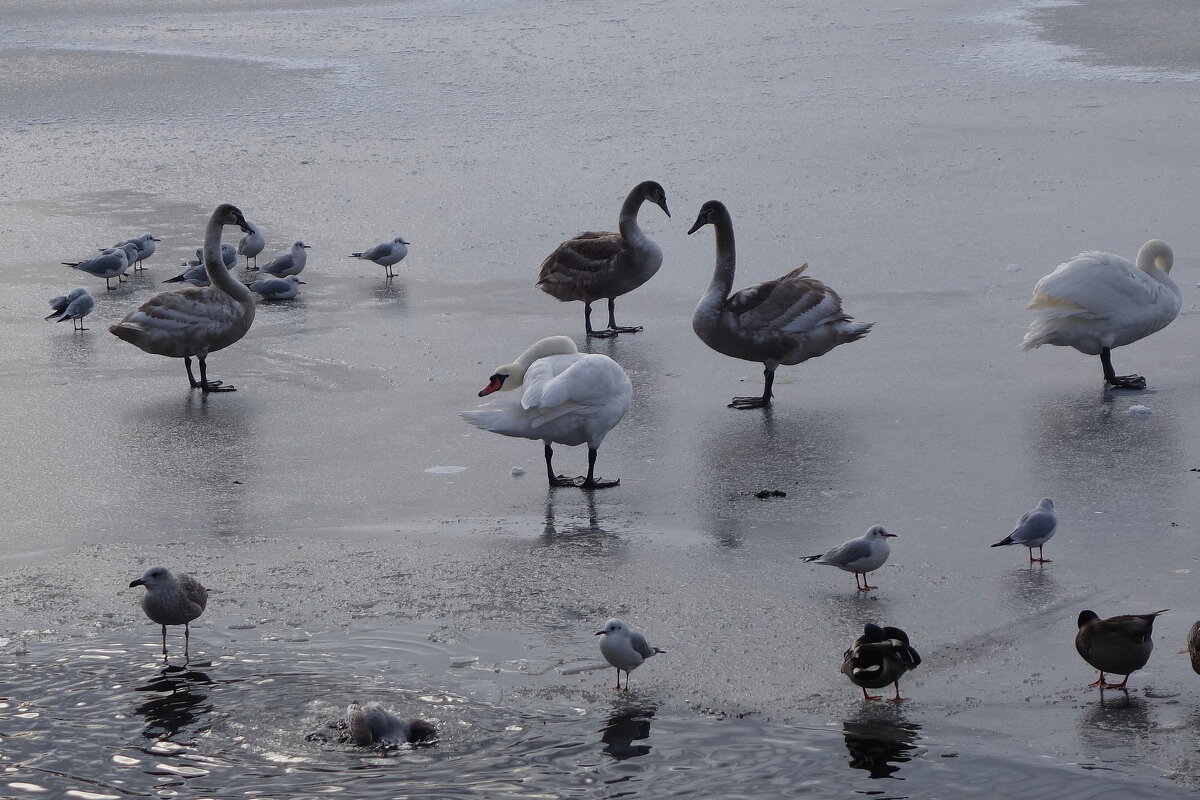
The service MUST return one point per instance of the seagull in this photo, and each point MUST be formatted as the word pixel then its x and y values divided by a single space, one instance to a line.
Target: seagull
pixel 196 274
pixel 1120 645
pixel 277 288
pixel 624 648
pixel 172 600
pixel 369 724
pixel 145 248
pixel 860 556
pixel 252 244
pixel 111 264
pixel 386 254
pixel 879 657
pixel 289 263
pixel 74 306
pixel 1034 529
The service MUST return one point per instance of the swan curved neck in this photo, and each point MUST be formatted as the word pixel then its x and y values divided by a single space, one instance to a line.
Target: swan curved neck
pixel 723 272
pixel 214 264
pixel 627 221
pixel 1155 254
pixel 550 346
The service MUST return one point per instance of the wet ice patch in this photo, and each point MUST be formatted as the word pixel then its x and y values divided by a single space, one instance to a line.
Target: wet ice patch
pixel 1139 409
pixel 445 470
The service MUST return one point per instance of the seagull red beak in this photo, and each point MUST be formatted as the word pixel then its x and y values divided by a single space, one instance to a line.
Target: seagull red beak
pixel 890 536
pixel 600 633
pixel 493 385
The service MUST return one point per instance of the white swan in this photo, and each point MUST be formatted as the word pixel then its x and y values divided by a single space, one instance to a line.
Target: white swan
pixel 74 306
pixel 386 254
pixel 290 263
pixel 598 264
pixel 252 244
pixel 1098 301
pixel 566 397
pixel 196 321
pixel 785 321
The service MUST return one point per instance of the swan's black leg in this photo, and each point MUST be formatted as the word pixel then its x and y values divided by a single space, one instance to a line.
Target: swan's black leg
pixel 612 322
pixel 1115 380
pixel 206 384
pixel 187 363
pixel 591 481
pixel 555 480
pixel 757 402
pixel 587 324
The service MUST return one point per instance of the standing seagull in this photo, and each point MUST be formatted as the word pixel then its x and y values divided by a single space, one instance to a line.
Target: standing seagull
pixel 879 657
pixel 1120 645
pixel 289 263
pixel 1034 529
pixel 111 264
pixel 860 556
pixel 145 248
pixel 1098 301
pixel 386 254
pixel 196 321
pixel 599 264
pixel 277 288
pixel 74 306
pixel 566 397
pixel 252 244
pixel 785 321
pixel 172 600
pixel 624 648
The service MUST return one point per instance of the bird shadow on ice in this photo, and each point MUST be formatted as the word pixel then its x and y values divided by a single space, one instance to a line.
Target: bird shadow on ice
pixel 627 724
pixel 71 352
pixel 1033 588
pixel 392 294
pixel 879 739
pixel 1115 720
pixel 804 455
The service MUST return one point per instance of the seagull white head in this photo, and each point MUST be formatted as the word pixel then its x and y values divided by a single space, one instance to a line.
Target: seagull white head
pixel 878 532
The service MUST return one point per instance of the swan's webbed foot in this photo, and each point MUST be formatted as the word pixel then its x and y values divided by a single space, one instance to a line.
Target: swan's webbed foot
pixel 1126 382
pixel 615 329
pixel 750 402
pixel 595 483
pixel 562 480
pixel 217 386
pixel 601 334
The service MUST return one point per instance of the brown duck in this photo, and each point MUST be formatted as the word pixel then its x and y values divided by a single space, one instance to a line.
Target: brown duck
pixel 1120 645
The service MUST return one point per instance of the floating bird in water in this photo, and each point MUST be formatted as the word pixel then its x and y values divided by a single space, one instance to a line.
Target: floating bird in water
pixel 111 264
pixel 624 648
pixel 252 244
pixel 1098 301
pixel 195 321
pixel 1120 645
pixel 277 288
pixel 145 248
pixel 561 396
pixel 386 254
pixel 370 724
pixel 172 600
pixel 600 264
pixel 289 263
pixel 1034 529
pixel 865 554
pixel 785 321
pixel 879 657
pixel 74 306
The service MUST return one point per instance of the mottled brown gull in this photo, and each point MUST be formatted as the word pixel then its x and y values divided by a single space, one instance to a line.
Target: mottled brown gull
pixel 172 600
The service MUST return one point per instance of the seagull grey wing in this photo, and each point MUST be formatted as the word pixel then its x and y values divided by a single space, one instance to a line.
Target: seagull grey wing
pixel 59 304
pixel 640 644
pixel 1036 524
pixel 378 251
pixel 80 307
pixel 849 552
pixel 194 590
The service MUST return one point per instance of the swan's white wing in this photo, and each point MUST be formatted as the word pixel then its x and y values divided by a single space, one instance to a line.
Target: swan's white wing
pixel 1096 285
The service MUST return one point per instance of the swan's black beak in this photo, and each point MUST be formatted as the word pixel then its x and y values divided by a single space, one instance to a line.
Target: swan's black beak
pixel 700 223
pixel 138 582
pixel 663 206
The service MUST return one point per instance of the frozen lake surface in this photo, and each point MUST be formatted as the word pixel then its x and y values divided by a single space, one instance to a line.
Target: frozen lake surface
pixel 929 160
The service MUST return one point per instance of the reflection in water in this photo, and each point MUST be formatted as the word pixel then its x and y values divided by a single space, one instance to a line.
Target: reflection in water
pixel 746 452
pixel 71 352
pixel 178 708
pixel 586 535
pixel 393 293
pixel 1032 588
pixel 879 739
pixel 624 727
pixel 1116 721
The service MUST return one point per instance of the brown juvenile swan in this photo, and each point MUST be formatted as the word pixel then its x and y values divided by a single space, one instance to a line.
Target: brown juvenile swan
pixel 784 321
pixel 599 264
pixel 196 321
